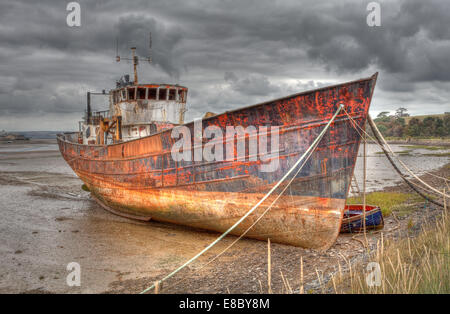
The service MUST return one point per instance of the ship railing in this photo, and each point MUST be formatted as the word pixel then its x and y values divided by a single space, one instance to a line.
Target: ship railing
pixel 97 116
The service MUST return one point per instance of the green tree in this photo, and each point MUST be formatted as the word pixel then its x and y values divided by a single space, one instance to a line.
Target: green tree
pixel 428 126
pixel 397 131
pixel 382 128
pixel 414 127
pixel 446 124
pixel 383 114
pixel 401 112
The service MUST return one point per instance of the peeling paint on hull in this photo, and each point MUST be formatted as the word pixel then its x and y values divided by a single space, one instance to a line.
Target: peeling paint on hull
pixel 139 177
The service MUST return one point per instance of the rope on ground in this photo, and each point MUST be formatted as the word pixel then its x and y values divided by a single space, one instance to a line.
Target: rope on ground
pixel 434 175
pixel 254 207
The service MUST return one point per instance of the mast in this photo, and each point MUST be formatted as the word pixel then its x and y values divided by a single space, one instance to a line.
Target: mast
pixel 135 63
pixel 88 108
pixel 135 58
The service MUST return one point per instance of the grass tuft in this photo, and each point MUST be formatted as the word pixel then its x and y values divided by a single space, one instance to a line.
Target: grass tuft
pixel 425 147
pixel 387 201
pixel 419 265
pixel 447 154
pixel 406 152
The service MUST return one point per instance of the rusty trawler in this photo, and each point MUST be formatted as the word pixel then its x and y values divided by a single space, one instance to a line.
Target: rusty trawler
pixel 124 156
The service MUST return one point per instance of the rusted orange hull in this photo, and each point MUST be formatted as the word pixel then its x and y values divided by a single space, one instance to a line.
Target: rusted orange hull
pixel 139 179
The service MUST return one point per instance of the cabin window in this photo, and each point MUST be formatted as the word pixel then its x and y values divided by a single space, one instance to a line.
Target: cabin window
pixel 124 96
pixel 172 94
pixel 162 94
pixel 152 93
pixel 183 94
pixel 180 95
pixel 131 93
pixel 141 93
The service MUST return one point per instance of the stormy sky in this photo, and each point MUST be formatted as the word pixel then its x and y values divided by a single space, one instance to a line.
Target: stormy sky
pixel 228 53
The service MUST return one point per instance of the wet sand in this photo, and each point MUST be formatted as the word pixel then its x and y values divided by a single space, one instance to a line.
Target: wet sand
pixel 48 221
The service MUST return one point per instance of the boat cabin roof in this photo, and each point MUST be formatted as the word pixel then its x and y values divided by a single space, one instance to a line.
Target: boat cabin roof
pixel 166 86
pixel 168 92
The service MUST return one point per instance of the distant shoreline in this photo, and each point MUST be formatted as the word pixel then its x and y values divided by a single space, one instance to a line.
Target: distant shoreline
pixel 419 141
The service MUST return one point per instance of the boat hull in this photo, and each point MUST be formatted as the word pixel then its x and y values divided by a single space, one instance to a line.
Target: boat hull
pixel 140 179
pixel 353 221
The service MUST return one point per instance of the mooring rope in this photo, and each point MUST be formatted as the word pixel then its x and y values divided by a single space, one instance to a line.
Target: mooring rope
pixel 319 137
pixel 375 129
pixel 378 138
pixel 382 147
pixel 378 141
pixel 371 123
pixel 258 219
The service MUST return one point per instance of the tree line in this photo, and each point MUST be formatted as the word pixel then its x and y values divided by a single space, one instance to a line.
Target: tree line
pixel 395 125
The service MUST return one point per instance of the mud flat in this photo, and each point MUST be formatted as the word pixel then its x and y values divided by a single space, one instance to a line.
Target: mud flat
pixel 48 221
pixel 420 141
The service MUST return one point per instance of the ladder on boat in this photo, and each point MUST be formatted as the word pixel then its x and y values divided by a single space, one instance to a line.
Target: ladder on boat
pixel 354 187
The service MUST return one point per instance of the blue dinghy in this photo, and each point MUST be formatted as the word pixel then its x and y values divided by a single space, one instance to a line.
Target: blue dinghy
pixel 353 218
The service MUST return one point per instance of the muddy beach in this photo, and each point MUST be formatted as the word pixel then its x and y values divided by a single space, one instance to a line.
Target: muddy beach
pixel 48 221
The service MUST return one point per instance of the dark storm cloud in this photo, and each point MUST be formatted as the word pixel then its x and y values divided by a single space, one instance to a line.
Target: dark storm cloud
pixel 256 85
pixel 412 41
pixel 229 53
pixel 135 28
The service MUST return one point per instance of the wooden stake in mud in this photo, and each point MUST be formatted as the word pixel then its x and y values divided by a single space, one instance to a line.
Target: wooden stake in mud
pixel 445 202
pixel 364 185
pixel 157 287
pixel 301 276
pixel 269 267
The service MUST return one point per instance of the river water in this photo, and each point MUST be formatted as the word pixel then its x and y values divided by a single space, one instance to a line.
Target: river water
pixel 380 172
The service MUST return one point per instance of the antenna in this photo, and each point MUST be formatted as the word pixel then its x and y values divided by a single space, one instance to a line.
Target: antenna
pixel 135 63
pixel 134 57
pixel 149 59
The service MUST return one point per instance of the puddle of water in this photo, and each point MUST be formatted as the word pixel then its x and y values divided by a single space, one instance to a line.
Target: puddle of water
pixel 28 148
